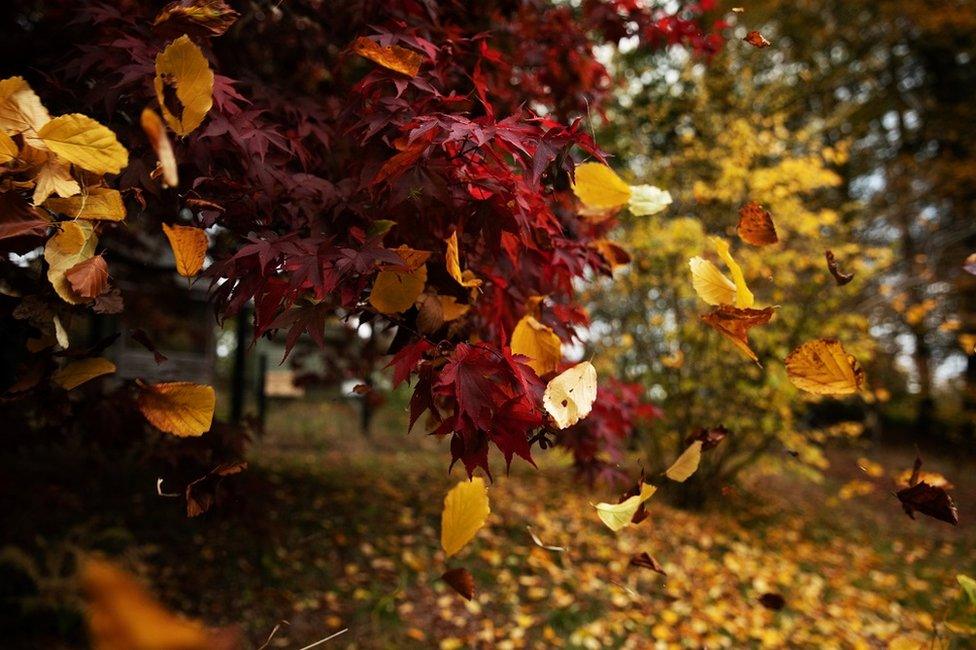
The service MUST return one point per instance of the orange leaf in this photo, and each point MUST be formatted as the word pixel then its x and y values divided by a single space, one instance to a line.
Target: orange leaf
pixel 393 57
pixel 453 262
pixel 823 367
pixel 153 126
pixel 734 323
pixel 214 16
pixel 409 154
pixel 756 39
pixel 461 581
pixel 89 279
pixel 78 372
pixel 180 407
pixel 756 225
pixel 189 246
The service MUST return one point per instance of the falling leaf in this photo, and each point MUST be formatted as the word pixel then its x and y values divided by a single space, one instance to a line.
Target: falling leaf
pixel 454 264
pixel 21 111
pixel 88 279
pixel 599 187
pixel 840 278
pixel 734 324
pixel 75 243
pixel 53 177
pixel 189 246
pixel 184 85
pixel 743 297
pixel 78 372
pixel 612 253
pixel 461 581
pixel 154 129
pixel 756 39
pixel 84 142
pixel 646 200
pixel 709 437
pixel 570 395
pixel 710 284
pixel 465 512
pixel 756 225
pixel 396 291
pixel 539 343
pixel 968 586
pixel 823 367
pixel 969 265
pixel 180 407
pixel 687 463
pixel 100 203
pixel 647 561
pixel 214 16
pixel 538 542
pixel 931 500
pixel 60 333
pixel 618 515
pixel 393 57
pixel 451 308
pixel 675 360
pixel 8 149
pixel 772 601
pixel 201 493
pixel 140 337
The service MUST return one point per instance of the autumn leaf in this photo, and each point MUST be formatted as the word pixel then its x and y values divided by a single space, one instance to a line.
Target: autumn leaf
pixel 76 373
pixel 181 408
pixel 152 126
pixel 396 291
pixel 89 279
pixel 823 367
pixel 617 516
pixel 465 512
pixel 615 255
pixel 461 581
pixel 569 397
pixel 430 314
pixel 743 297
pixel 213 16
pixel 756 40
pixel 189 246
pixel 184 85
pixel 772 601
pixel 687 463
pixel 968 586
pixel 710 437
pixel 393 57
pixel 756 225
pixel 539 343
pixel 710 284
pixel 929 498
pixel 84 142
pixel 647 561
pixel 646 200
pixel 734 324
pixel 452 259
pixel 74 244
pixel 599 187
pixel 100 203
pixel 53 177
pixel 840 278
pixel 21 111
pixel 8 149
pixel 407 157
pixel 969 265
pixel 451 308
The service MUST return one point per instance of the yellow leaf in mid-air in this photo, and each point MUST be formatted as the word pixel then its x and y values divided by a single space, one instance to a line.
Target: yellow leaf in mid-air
pixel 179 407
pixel 599 187
pixel 75 243
pixel 743 297
pixel 465 512
pixel 396 291
pixel 21 110
pixel 687 463
pixel 84 142
pixel 8 149
pixel 189 246
pixel 823 367
pixel 396 58
pixel 184 85
pixel 152 126
pixel 710 284
pixel 98 203
pixel 570 395
pixel 619 515
pixel 539 343
pixel 453 262
pixel 78 372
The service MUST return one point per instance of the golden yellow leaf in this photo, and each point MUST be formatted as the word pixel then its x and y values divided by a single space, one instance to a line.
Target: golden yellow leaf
pixel 189 246
pixel 539 343
pixel 53 177
pixel 452 309
pixel 710 284
pixel 396 58
pixel 734 324
pixel 180 407
pixel 823 367
pixel 617 516
pixel 467 279
pixel 8 149
pixel 465 512
pixel 570 395
pixel 743 297
pixel 687 463
pixel 100 203
pixel 396 291
pixel 75 243
pixel 154 129
pixel 184 85
pixel 21 110
pixel 599 187
pixel 84 142
pixel 78 372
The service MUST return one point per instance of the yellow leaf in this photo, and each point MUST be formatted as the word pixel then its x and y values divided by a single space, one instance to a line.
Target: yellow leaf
pixel 618 515
pixel 687 463
pixel 709 283
pixel 570 395
pixel 84 142
pixel 75 243
pixel 451 308
pixel 539 343
pixel 599 187
pixel 743 297
pixel 465 511
pixel 189 246
pixel 180 407
pixel 8 149
pixel 21 111
pixel 398 59
pixel 99 203
pixel 823 367
pixel 396 291
pixel 154 129
pixel 53 177
pixel 77 373
pixel 184 85
pixel 454 264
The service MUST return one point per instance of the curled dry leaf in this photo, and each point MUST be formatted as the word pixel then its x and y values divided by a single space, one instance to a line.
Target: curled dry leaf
pixel 538 542
pixel 756 40
pixel 189 246
pixel 75 243
pixel 84 142
pixel 709 437
pixel 756 225
pixel 537 342
pixel 212 16
pixel 823 367
pixel 155 130
pixel 100 203
pixel 461 581
pixel 393 57
pixel 743 297
pixel 839 277
pixel 180 407
pixel 928 498
pixel 184 85
pixel 569 397
pixel 616 516
pixel 89 279
pixel 453 262
pixel 734 324
pixel 598 187
pixel 201 493
pixel 772 601
pixel 140 337
pixel 465 511
pixel 647 561
pixel 78 372
pixel 687 463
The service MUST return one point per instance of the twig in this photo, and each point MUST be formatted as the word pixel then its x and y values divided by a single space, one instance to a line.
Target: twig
pixel 328 638
pixel 271 636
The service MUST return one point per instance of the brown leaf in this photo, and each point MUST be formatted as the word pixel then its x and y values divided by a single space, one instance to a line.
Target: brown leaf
pixel 211 16
pixel 89 279
pixel 734 324
pixel 140 337
pixel 756 225
pixel 393 57
pixel 109 303
pixel 461 581
pixel 772 601
pixel 647 561
pixel 929 499
pixel 710 437
pixel 841 278
pixel 202 493
pixel 756 39
pixel 430 316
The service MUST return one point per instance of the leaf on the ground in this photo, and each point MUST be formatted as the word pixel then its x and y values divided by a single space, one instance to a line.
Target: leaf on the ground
pixel 756 225
pixel 100 203
pixel 756 40
pixel 155 130
pixel 76 373
pixel 180 407
pixel 453 262
pixel 734 324
pixel 465 511
pixel 570 395
pixel 772 601
pixel 89 279
pixel 599 187
pixel 84 142
pixel 537 342
pixel 686 464
pixel 189 246
pixel 184 85
pixel 647 561
pixel 616 516
pixel 393 57
pixel 839 277
pixel 213 16
pixel 461 581
pixel 823 367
